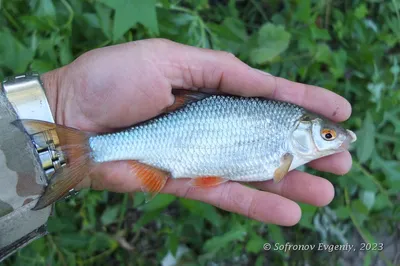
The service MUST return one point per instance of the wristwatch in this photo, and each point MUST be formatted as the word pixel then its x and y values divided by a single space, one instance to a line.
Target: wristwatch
pixel 27 96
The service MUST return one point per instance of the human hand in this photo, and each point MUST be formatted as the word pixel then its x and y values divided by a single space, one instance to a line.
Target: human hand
pixel 115 87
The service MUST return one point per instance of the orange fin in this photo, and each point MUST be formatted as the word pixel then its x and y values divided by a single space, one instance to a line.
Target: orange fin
pixel 34 126
pixel 75 147
pixel 185 97
pixel 152 179
pixel 283 169
pixel 207 181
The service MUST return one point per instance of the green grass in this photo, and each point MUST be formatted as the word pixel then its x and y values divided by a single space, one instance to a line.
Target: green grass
pixel 350 47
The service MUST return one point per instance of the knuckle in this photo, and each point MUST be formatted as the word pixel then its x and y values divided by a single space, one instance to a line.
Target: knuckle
pixel 159 41
pixel 251 211
pixel 224 201
pixel 225 54
pixel 166 100
pixel 284 187
pixel 183 192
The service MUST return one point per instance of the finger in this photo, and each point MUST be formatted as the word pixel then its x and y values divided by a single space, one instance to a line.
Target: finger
pixel 339 163
pixel 301 187
pixel 234 197
pixel 190 67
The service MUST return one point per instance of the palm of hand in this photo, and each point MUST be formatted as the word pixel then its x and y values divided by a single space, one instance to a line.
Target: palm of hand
pixel 116 87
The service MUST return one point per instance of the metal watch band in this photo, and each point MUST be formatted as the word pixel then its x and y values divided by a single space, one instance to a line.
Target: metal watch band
pixel 26 94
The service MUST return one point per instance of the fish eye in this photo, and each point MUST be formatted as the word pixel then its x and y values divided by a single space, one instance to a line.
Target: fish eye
pixel 328 134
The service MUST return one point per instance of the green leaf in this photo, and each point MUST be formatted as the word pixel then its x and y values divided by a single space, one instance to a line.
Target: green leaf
pixel 303 10
pixel 202 209
pixel 272 40
pixel 368 259
pixel 368 198
pixel 71 257
pixel 74 241
pixel 359 210
pixel 129 13
pixel 342 212
pixel 104 16
pixel 218 242
pixel 338 66
pixel 361 11
pixel 255 244
pixel 139 199
pixel 146 218
pixel 324 54
pixel 376 90
pixel 110 215
pixel 66 56
pixel 308 212
pixel 161 201
pixel 362 181
pixel 260 260
pixel 13 54
pixel 60 224
pixel 366 139
pixel 382 201
pixel 42 66
pixel 229 35
pixel 100 242
pixel 275 234
pixel 46 9
pixel 319 34
pixel 173 242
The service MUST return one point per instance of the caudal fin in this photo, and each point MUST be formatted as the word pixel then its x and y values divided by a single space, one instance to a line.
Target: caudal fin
pixel 75 147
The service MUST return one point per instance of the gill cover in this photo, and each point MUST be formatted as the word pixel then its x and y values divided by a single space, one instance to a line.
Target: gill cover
pixel 302 139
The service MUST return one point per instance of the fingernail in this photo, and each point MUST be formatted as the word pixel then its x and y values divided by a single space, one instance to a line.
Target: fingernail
pixel 262 72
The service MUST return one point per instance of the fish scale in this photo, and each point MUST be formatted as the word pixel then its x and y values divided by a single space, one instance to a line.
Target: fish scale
pixel 236 138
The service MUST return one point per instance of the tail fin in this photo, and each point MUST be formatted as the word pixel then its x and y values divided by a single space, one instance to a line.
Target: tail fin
pixel 75 146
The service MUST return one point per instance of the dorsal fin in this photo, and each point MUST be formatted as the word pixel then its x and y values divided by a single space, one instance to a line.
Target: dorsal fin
pixel 185 97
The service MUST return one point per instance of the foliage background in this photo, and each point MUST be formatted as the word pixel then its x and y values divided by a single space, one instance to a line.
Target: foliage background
pixel 350 47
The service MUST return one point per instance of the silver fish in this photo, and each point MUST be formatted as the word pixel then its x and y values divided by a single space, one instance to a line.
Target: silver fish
pixel 208 138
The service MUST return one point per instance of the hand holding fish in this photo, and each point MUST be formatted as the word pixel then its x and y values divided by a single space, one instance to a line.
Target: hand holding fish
pixel 110 89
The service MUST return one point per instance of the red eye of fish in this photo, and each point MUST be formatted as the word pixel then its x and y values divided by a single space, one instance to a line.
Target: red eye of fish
pixel 328 134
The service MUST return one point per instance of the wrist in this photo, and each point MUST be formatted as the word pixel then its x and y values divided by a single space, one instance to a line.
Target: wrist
pixel 52 83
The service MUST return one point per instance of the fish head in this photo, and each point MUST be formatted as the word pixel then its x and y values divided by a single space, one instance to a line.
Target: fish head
pixel 316 137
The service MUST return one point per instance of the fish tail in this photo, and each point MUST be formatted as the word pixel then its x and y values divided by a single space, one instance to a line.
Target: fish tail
pixel 75 147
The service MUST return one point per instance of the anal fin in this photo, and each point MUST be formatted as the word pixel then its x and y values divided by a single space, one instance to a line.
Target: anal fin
pixel 283 169
pixel 207 181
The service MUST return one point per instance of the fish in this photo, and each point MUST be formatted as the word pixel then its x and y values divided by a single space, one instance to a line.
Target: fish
pixel 206 137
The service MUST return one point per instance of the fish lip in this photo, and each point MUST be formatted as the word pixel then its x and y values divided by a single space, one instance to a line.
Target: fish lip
pixel 352 135
pixel 351 138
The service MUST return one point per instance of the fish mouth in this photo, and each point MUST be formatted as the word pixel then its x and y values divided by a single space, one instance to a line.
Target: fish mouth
pixel 351 137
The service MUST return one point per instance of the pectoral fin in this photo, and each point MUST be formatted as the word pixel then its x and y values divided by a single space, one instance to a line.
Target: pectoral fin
pixel 283 169
pixel 152 179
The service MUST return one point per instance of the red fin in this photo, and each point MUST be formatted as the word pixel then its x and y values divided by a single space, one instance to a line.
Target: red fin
pixel 207 181
pixel 74 144
pixel 152 179
pixel 184 97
